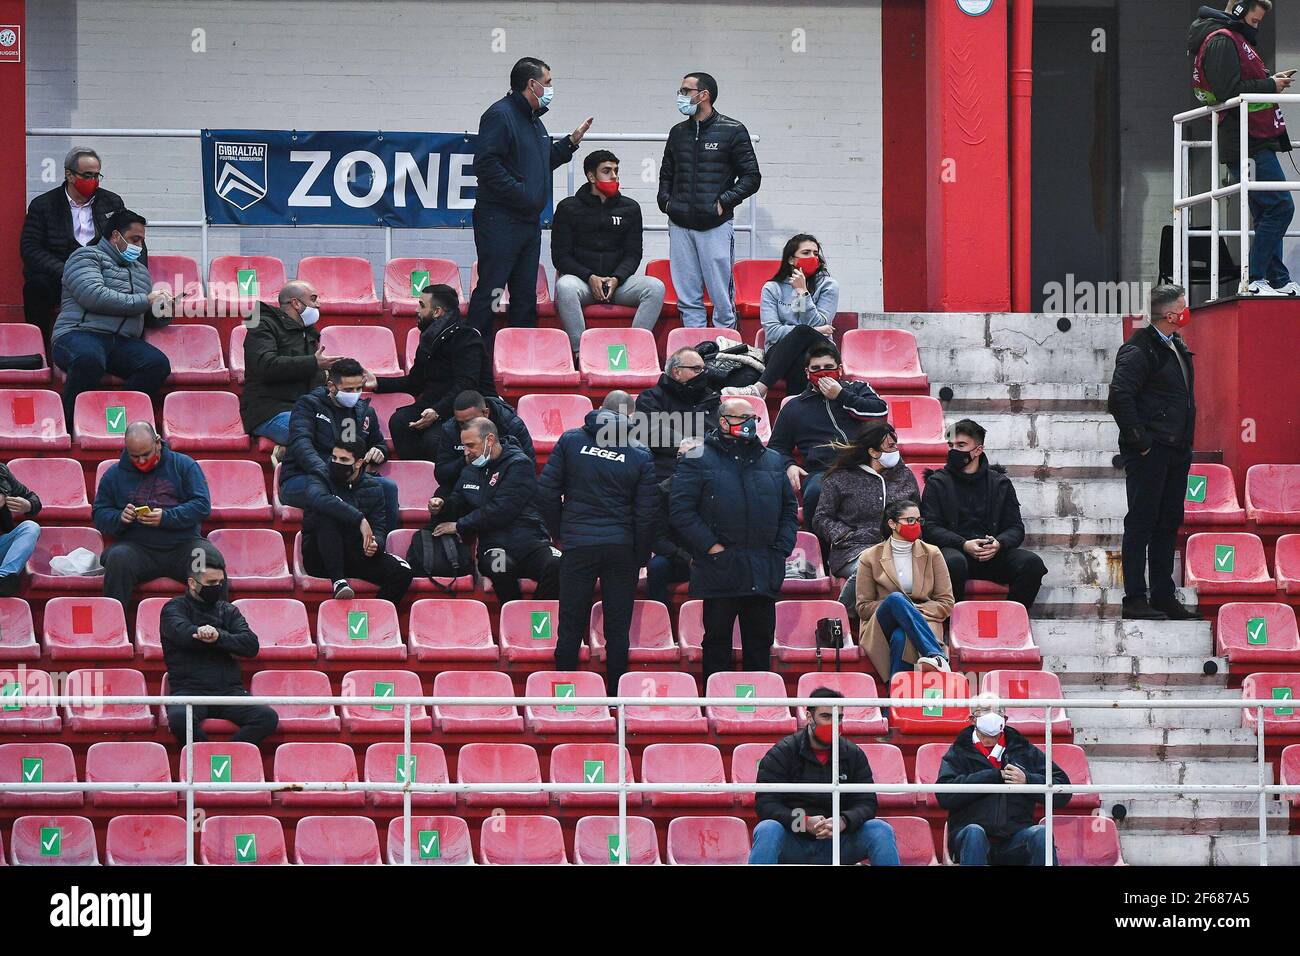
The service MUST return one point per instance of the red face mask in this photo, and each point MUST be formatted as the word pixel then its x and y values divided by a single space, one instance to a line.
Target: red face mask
pixel 150 463
pixel 86 187
pixel 820 374
pixel 1183 318
pixel 909 532
pixel 823 733
pixel 808 265
pixel 607 189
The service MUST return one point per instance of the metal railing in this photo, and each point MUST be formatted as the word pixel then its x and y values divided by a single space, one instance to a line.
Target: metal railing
pixel 1261 788
pixel 1241 188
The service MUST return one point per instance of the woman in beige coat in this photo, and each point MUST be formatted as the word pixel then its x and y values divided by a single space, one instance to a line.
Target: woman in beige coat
pixel 904 595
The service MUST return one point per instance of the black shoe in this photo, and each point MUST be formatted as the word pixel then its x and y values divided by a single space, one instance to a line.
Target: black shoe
pixel 1174 611
pixel 342 591
pixel 1137 609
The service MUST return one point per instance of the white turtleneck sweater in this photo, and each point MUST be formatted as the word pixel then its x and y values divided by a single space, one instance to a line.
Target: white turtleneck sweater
pixel 902 562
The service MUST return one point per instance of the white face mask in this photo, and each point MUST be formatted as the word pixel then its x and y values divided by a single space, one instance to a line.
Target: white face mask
pixel 990 724
pixel 890 458
pixel 310 316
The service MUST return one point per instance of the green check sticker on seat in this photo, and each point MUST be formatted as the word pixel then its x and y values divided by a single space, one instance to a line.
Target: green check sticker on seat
pixel 593 771
pixel 932 710
pixel 33 770
pixel 565 690
pixel 430 843
pixel 406 768
pixel 614 848
pixel 246 279
pixel 51 841
pixel 219 768
pixel 1196 485
pixel 745 691
pixel 1283 693
pixel 540 624
pixel 11 690
pixel 358 625
pixel 1257 630
pixel 617 357
pixel 419 281
pixel 245 847
pixel 384 689
pixel 115 419
pixel 1225 558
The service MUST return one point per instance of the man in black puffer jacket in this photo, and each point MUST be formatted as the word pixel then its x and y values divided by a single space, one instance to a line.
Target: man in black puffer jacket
pixel 679 407
pixel 598 496
pixel 996 828
pixel 709 168
pixel 735 508
pixel 494 499
pixel 469 406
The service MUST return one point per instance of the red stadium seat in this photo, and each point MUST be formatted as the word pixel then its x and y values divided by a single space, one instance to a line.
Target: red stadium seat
pixel 17 635
pixel 680 338
pixel 27 718
pixel 18 338
pixel 434 841
pixel 596 842
pixel 1074 761
pixel 526 840
pixel 100 417
pixel 398 543
pixel 60 541
pixel 927 719
pixel 545 305
pixel 242 841
pixel 345 284
pixel 383 718
pixel 591 763
pixel 298 718
pixel 33 418
pixel 858 721
pixel 690 632
pixel 53 841
pixel 1018 684
pixel 550 416
pixel 500 763
pixel 237 489
pixel 918 419
pixel 1086 841
pixel 650 637
pixel 886 358
pixel 929 758
pixel 1211 496
pixel 476 718
pixel 708 841
pixel 796 631
pixel 744 768
pixel 194 352
pixel 405 278
pixel 203 421
pixel 1273 494
pixel 236 353
pixel 749 276
pixel 684 763
pixel 1286 559
pixel 280 624
pixel 807 547
pixel 1279 687
pixel 886 762
pixel 415 486
pixel 229 761
pixel 60 483
pixel 764 424
pixel 98 718
pixel 661 269
pixel 567 719
pixel 1288 773
pixel 648 719
pixel 30 763
pixel 619 358
pixel 529 630
pixel 915 840
pixel 533 358
pixel 236 282
pixel 1257 634
pixel 336 841
pixel 992 632
pixel 361 629
pixel 446 629
pixel 255 558
pixel 748 719
pixel 179 275
pixel 1218 562
pixel 150 839
pixel 317 763
pixel 382 765
pixel 371 345
pixel 129 761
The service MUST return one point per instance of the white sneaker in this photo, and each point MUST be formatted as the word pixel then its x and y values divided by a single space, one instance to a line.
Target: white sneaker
pixel 734 391
pixel 1262 288
pixel 926 664
pixel 1291 288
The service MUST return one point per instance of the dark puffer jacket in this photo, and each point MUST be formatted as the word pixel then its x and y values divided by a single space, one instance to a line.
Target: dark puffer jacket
pixel 451 450
pixel 279 365
pixel 498 503
pixel 792 761
pixel 941 510
pixel 197 667
pixel 347 504
pixel 851 507
pixel 810 421
pixel 594 237
pixel 315 429
pixel 451 358
pixel 675 411
pixel 706 163
pixel 1151 401
pixel 735 494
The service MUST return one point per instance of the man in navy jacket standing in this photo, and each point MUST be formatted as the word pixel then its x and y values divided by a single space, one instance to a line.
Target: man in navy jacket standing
pixel 513 161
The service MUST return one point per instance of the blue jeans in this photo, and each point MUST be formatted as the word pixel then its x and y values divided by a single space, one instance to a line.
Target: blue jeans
pixel 275 428
pixel 1270 214
pixel 700 259
pixel 661 572
pixel 17 546
pixel 509 251
pixel 86 356
pixel 812 492
pixel 1026 848
pixel 901 621
pixel 873 841
pixel 300 490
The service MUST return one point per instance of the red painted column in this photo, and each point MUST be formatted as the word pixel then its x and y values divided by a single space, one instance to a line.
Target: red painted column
pixel 13 157
pixel 903 183
pixel 1022 92
pixel 968 192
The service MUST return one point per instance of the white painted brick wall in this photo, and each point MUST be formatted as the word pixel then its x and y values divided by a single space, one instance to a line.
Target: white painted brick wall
pixel 341 64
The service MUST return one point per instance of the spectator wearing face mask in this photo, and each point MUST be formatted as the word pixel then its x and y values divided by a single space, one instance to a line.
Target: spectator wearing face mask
pixel 736 512
pixel 283 361
pixel 827 411
pixel 469 406
pixel 204 637
pixel 680 406
pixel 797 310
pixel 996 828
pixel 450 359
pixel 904 596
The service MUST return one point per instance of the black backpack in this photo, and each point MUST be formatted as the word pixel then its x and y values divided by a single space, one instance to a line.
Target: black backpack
pixel 438 556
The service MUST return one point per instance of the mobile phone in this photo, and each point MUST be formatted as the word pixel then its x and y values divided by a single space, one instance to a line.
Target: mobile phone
pixel 142 509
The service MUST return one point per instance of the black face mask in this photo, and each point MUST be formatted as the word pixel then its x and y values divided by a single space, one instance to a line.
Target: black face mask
pixel 958 460
pixel 210 594
pixel 341 473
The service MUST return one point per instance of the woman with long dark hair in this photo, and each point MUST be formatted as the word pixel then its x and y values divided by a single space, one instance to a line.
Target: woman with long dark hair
pixel 797 308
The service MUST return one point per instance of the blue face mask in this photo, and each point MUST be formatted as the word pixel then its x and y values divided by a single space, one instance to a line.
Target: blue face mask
pixel 685 106
pixel 132 253
pixel 548 94
pixel 482 459
pixel 347 399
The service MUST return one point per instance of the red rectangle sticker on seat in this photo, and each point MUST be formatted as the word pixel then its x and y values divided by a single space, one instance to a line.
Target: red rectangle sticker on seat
pixel 900 414
pixel 987 623
pixel 24 410
pixel 1018 688
pixel 83 619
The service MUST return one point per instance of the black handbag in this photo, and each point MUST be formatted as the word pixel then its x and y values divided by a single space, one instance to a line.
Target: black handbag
pixel 438 556
pixel 830 633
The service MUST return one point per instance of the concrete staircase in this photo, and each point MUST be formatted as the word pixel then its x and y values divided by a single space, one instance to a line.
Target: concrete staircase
pixel 1038 384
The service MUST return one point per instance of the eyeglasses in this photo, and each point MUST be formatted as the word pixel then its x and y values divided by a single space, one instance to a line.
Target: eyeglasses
pixel 739 419
pixel 691 368
pixel 687 91
pixel 88 176
pixel 910 520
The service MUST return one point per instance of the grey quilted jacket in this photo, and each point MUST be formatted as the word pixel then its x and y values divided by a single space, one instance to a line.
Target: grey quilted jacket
pixel 102 292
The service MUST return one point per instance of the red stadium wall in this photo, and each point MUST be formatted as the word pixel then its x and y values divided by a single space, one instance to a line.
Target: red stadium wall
pixel 13 163
pixel 903 208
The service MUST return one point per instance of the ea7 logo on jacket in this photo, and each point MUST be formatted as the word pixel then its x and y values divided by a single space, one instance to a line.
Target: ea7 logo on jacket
pixel 603 453
pixel 711 145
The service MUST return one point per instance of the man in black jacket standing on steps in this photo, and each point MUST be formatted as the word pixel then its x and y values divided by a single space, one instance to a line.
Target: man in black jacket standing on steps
pixel 1152 396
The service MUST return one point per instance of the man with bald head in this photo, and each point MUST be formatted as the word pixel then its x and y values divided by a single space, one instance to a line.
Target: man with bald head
pixel 283 361
pixel 151 504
